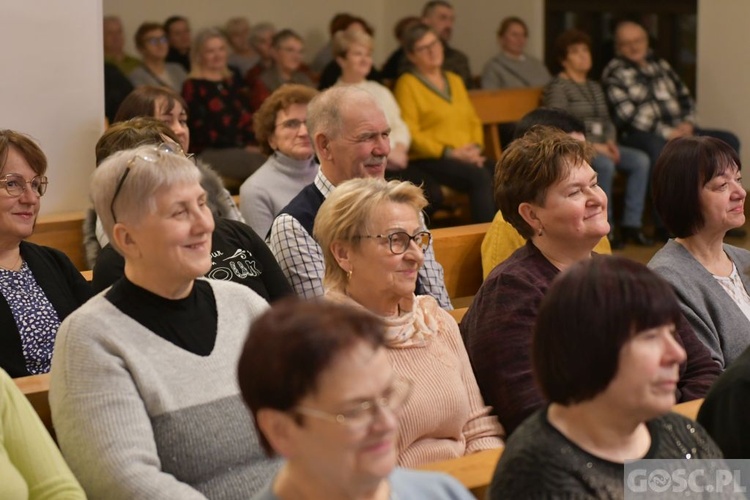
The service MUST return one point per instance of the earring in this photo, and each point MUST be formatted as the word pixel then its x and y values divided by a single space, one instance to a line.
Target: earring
pixel 349 275
pixel 540 232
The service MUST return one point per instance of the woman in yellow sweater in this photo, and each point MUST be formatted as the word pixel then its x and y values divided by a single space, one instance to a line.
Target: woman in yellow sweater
pixel 446 132
pixel 373 241
pixel 30 464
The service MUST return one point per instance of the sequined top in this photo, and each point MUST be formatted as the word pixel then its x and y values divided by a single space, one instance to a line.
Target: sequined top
pixel 539 462
pixel 35 317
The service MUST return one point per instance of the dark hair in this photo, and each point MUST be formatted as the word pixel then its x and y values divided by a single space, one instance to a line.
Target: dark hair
pixel 171 20
pixel 589 312
pixel 144 28
pixel 508 22
pixel 291 344
pixel 142 102
pixel 566 40
pixel 343 20
pixel 549 117
pixel 683 168
pixel 432 4
pixel 415 33
pixel 402 24
pixel 284 35
pixel 26 147
pixel 530 166
pixel 264 120
pixel 130 134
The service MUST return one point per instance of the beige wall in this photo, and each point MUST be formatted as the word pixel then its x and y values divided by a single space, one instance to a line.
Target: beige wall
pixel 723 69
pixel 52 89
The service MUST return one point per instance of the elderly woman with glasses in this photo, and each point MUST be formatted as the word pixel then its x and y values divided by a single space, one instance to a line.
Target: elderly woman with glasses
pixel 240 255
pixel 320 387
pixel 39 286
pixel 373 240
pixel 149 364
pixel 151 42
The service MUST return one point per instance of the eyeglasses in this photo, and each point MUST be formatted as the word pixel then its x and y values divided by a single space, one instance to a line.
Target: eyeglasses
pixel 156 40
pixel 151 157
pixel 364 414
pixel 291 124
pixel 15 184
pixel 429 46
pixel 399 241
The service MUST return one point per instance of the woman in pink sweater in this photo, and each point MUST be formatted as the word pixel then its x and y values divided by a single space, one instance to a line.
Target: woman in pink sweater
pixel 373 239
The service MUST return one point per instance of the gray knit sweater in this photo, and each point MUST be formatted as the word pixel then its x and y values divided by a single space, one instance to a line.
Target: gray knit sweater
pixel 138 417
pixel 717 320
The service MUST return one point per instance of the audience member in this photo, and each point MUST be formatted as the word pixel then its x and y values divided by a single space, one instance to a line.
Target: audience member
pixel 237 253
pixel 390 70
pixel 698 193
pixel 572 91
pixel 512 67
pixel 349 133
pixel 446 133
pixel 151 42
pixel 353 51
pixel 150 364
pixel 114 46
pixel 218 110
pixel 323 395
pixel 243 55
pixel 548 191
pixel 440 16
pixel 502 239
pixel 610 402
pixel 116 88
pixel 177 29
pixel 286 50
pixel 261 37
pixel 39 286
pixel 332 71
pixel 366 228
pixel 30 463
pixel 649 101
pixel 324 56
pixel 291 164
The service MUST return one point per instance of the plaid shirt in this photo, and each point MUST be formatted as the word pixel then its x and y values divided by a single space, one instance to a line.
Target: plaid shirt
pixel 651 98
pixel 301 258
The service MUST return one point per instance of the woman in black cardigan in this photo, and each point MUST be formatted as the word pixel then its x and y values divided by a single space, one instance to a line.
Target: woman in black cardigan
pixel 39 286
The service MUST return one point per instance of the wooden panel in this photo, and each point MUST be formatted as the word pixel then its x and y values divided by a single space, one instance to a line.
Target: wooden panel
pixel 458 313
pixel 473 471
pixel 459 251
pixel 63 231
pixel 36 390
pixel 689 409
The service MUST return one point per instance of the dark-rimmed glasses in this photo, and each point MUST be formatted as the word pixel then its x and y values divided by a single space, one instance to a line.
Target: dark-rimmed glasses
pixel 151 157
pixel 398 242
pixel 363 415
pixel 15 184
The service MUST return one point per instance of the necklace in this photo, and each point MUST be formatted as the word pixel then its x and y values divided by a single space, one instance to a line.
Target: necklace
pixel 15 267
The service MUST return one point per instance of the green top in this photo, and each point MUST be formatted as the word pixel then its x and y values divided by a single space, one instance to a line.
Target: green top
pixel 30 464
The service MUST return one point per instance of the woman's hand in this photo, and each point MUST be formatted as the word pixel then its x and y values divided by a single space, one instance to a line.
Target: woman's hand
pixel 468 154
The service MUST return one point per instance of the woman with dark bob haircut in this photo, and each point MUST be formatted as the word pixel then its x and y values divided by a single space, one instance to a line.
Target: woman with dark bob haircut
pixel 548 192
pixel 323 395
pixel 698 193
pixel 610 401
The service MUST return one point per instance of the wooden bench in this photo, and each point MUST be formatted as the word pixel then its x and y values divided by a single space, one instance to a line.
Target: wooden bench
pixel 36 390
pixel 496 107
pixel 459 250
pixel 473 471
pixel 63 231
pixel 689 409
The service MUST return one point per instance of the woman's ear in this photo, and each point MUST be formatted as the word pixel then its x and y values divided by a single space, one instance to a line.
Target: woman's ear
pixel 124 240
pixel 278 429
pixel 530 214
pixel 342 253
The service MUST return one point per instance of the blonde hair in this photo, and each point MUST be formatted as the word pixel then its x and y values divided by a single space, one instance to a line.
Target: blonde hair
pixel 137 195
pixel 347 213
pixel 344 39
pixel 203 36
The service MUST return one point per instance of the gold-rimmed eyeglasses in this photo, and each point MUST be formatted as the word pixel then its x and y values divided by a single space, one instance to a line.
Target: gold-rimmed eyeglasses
pixel 15 184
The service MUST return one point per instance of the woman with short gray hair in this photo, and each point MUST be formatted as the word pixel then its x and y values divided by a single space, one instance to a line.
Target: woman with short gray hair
pixel 150 362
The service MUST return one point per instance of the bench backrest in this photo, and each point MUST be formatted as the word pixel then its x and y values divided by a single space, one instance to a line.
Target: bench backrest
pixel 36 390
pixel 459 251
pixel 64 232
pixel 502 106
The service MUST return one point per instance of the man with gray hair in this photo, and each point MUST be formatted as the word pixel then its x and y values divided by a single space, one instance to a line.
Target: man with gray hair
pixel 349 132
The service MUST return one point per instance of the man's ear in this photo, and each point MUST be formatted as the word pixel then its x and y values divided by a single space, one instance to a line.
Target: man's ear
pixel 529 214
pixel 322 146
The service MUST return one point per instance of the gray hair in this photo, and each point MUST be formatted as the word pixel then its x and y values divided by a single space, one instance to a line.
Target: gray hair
pixel 137 195
pixel 414 34
pixel 258 29
pixel 324 111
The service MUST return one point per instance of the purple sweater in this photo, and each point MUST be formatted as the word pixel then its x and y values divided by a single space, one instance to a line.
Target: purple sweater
pixel 497 330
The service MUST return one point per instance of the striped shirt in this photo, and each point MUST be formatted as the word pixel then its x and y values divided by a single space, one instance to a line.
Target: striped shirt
pixel 586 102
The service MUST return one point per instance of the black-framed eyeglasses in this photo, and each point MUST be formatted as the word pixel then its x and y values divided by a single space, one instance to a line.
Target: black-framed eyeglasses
pixel 15 184
pixel 150 157
pixel 398 242
pixel 291 124
pixel 364 414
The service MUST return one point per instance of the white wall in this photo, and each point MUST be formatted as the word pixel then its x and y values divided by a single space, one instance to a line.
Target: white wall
pixel 52 89
pixel 723 69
